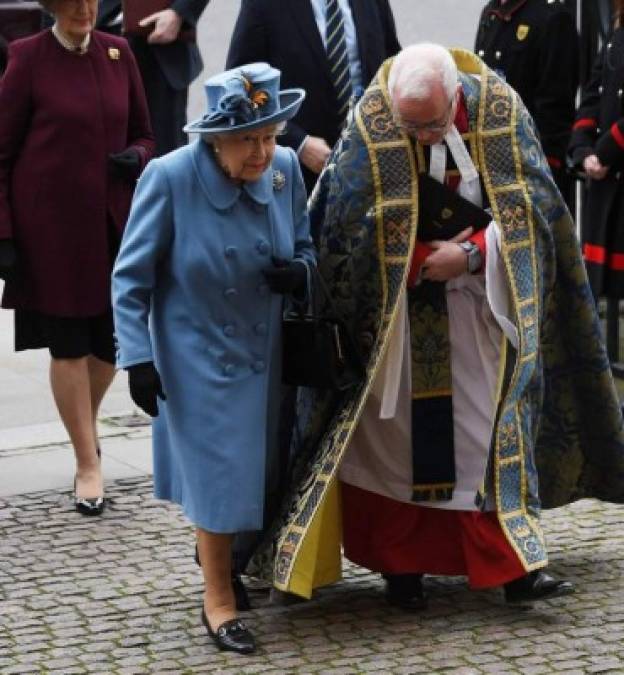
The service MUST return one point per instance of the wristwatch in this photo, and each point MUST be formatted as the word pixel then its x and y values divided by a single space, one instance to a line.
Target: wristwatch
pixel 473 254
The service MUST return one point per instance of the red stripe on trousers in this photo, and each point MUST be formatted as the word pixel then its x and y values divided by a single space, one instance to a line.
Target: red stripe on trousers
pixel 388 536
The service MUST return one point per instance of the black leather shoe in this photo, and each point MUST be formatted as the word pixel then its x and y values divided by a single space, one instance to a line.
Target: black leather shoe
pixel 243 603
pixel 406 592
pixel 535 586
pixel 93 506
pixel 231 636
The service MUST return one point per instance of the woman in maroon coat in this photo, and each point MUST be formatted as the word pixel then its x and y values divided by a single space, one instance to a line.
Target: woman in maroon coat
pixel 74 136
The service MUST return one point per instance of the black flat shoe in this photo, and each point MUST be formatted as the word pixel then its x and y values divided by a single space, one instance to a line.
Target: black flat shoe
pixel 243 603
pixel 536 586
pixel 406 592
pixel 231 636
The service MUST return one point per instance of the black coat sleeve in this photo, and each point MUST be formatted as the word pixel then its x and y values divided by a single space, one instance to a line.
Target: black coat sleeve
pixel 393 46
pixel 250 38
pixel 480 30
pixel 251 43
pixel 584 131
pixel 189 10
pixel 610 146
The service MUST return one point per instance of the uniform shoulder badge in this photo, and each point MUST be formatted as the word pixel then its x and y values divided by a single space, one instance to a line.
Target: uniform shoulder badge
pixel 113 53
pixel 523 31
pixel 279 180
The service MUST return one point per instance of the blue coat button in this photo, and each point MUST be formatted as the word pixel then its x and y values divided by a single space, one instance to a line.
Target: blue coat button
pixel 230 251
pixel 228 369
pixel 230 293
pixel 258 366
pixel 229 330
pixel 260 329
pixel 262 247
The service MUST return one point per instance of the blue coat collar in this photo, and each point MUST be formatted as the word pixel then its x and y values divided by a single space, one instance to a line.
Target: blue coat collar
pixel 221 191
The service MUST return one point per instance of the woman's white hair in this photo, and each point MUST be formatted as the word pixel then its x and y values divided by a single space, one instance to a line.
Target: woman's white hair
pixel 280 128
pixel 419 69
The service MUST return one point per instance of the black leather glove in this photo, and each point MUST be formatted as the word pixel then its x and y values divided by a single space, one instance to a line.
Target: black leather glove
pixel 126 164
pixel 145 386
pixel 8 259
pixel 286 276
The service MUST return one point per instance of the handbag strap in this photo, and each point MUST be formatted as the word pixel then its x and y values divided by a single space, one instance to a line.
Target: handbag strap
pixel 318 293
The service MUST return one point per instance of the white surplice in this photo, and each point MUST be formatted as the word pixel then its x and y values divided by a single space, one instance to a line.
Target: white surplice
pixel 379 457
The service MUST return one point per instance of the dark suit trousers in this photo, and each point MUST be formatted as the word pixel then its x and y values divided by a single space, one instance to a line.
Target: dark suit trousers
pixel 167 106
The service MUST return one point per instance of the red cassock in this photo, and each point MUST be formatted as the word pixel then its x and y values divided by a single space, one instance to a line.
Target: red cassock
pixel 386 535
pixel 61 115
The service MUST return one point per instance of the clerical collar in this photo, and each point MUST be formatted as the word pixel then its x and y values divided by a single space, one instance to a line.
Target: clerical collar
pixel 81 49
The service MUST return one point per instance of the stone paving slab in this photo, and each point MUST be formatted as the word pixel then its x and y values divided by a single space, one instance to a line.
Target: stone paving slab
pixel 122 595
pixel 22 440
pixel 28 464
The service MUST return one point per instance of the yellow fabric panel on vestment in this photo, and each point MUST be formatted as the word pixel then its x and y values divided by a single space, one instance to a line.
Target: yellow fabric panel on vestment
pixel 319 562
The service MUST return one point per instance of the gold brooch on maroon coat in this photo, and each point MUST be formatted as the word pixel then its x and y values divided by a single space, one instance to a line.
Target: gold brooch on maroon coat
pixel 113 53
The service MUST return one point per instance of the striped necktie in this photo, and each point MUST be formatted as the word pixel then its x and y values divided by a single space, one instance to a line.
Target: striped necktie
pixel 337 57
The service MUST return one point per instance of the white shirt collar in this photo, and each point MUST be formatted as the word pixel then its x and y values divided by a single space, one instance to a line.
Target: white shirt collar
pixel 65 42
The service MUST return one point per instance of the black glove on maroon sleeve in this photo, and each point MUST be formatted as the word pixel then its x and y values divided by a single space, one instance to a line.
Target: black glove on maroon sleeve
pixel 8 259
pixel 126 164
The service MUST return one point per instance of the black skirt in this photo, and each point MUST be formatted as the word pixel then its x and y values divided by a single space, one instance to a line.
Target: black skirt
pixel 66 337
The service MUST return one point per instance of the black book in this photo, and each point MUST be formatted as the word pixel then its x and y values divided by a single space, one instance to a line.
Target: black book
pixel 443 213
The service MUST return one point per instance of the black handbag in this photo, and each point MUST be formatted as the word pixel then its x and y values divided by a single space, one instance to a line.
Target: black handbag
pixel 317 349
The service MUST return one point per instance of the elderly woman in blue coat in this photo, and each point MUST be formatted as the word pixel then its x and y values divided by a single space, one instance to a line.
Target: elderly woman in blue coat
pixel 218 236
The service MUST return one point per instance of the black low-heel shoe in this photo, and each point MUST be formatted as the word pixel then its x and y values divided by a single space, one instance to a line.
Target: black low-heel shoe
pixel 243 603
pixel 93 506
pixel 231 636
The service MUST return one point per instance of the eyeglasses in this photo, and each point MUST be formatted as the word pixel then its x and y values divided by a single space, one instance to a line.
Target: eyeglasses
pixel 411 128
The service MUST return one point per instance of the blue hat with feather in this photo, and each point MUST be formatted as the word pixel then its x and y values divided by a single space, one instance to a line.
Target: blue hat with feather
pixel 246 98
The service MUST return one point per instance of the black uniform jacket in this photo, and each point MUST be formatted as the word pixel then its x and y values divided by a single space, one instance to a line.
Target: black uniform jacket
pixel 599 130
pixel 284 33
pixel 534 45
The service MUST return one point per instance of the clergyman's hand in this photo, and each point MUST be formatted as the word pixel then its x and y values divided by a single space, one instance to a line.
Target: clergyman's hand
pixel 167 24
pixel 448 260
pixel 314 153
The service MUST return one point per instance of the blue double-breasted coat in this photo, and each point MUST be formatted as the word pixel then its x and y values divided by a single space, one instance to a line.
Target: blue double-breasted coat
pixel 189 294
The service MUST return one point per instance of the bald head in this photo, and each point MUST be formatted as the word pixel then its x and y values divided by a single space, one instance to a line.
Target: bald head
pixel 421 71
pixel 423 86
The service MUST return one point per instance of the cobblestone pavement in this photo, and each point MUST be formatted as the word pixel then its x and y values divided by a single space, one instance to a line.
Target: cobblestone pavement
pixel 121 594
